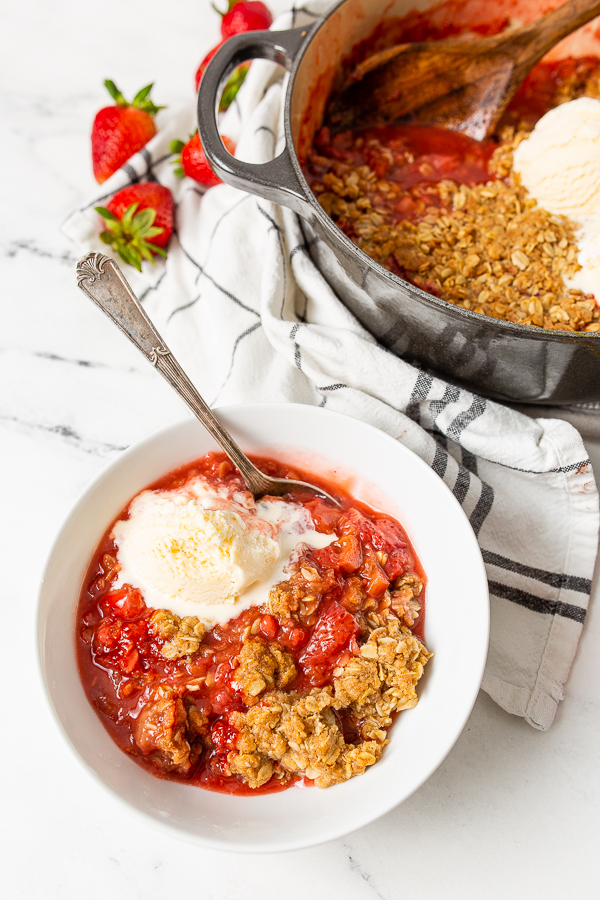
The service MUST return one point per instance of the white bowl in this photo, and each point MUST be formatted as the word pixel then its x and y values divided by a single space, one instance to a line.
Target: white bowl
pixel 377 469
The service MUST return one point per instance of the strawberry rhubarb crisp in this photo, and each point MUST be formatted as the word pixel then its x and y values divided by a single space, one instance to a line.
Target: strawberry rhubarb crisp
pixel 246 645
pixel 508 227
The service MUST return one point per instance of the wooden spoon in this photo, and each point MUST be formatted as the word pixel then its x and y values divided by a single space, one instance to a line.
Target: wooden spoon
pixel 464 84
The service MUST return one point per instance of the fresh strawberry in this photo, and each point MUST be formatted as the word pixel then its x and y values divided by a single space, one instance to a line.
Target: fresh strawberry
pixel 202 67
pixel 140 222
pixel 121 130
pixel 192 160
pixel 245 15
pixel 148 195
pixel 236 79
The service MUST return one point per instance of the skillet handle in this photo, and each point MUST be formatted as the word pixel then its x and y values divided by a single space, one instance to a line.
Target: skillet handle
pixel 275 180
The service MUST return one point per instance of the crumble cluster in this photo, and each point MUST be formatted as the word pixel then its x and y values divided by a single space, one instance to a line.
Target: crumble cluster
pixel 301 734
pixel 183 636
pixel 262 666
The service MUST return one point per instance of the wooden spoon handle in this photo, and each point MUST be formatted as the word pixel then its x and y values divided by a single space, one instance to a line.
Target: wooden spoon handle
pixel 533 41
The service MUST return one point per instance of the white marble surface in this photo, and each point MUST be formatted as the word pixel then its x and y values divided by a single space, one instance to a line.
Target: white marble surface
pixel 511 812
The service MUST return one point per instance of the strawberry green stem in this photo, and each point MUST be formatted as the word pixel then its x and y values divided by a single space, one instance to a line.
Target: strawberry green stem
pixel 140 101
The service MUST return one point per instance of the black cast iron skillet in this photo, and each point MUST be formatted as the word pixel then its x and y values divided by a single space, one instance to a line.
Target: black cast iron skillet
pixel 501 359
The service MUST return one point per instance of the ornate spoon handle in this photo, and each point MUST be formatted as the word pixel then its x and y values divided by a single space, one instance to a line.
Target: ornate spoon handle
pixel 101 279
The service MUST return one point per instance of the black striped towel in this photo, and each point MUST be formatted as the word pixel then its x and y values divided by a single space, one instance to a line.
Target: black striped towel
pixel 244 306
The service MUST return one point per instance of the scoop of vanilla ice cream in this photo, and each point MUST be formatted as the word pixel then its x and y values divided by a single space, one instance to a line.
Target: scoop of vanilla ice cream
pixel 559 163
pixel 186 557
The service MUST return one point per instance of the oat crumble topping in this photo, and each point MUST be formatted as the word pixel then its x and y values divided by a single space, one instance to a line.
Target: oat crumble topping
pixel 294 733
pixel 487 247
pixel 183 635
pixel 301 733
pixel 262 667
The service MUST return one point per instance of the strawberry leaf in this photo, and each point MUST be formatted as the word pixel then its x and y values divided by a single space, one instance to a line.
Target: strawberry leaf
pixel 146 254
pixel 235 82
pixel 141 95
pixel 152 232
pixel 115 93
pixel 106 213
pixel 140 101
pixel 177 146
pixel 143 220
pixel 131 256
pixel 128 215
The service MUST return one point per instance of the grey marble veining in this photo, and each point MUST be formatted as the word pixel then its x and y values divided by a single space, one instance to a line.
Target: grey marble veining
pixel 511 812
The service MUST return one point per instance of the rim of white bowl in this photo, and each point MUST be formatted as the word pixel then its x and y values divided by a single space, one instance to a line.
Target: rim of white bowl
pixel 232 845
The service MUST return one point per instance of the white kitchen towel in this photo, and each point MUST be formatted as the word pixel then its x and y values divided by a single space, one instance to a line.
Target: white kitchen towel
pixel 244 306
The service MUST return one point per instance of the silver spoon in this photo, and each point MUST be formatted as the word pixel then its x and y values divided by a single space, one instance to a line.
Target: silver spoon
pixel 101 279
